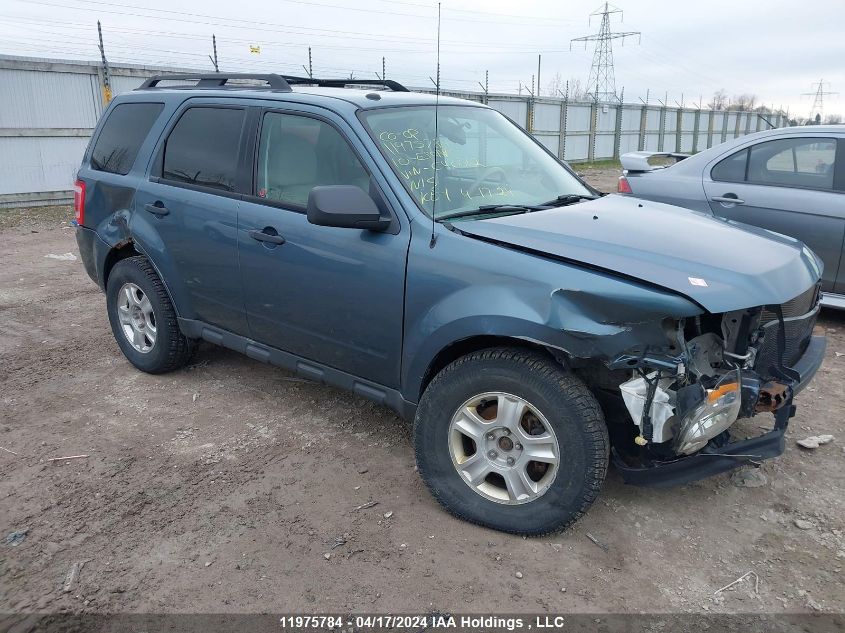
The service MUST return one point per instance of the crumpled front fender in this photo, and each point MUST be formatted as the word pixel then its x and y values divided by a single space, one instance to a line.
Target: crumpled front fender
pixel 590 324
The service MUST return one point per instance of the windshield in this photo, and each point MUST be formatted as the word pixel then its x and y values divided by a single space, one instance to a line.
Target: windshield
pixel 482 159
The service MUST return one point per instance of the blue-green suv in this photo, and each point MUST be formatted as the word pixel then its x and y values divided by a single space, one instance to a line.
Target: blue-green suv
pixel 428 254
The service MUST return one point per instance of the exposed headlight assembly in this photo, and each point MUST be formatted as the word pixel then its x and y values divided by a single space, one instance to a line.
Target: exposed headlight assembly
pixel 717 411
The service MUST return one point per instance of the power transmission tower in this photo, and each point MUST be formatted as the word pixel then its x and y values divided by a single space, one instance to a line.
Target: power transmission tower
pixel 817 111
pixel 601 85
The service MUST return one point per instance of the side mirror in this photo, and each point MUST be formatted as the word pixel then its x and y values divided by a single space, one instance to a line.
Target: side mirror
pixel 344 206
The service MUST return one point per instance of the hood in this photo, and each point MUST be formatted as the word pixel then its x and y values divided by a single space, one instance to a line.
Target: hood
pixel 721 265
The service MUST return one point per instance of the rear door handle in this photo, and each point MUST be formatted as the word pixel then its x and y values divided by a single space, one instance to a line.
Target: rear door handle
pixel 263 236
pixel 157 209
pixel 729 199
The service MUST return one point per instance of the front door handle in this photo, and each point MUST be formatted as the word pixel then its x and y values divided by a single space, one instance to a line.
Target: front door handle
pixel 267 236
pixel 157 208
pixel 728 198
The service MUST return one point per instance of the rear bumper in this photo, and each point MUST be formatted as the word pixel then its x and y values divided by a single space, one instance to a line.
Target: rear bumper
pixel 85 240
pixel 715 460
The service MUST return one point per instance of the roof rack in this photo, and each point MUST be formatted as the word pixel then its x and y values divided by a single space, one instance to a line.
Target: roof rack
pixel 282 83
pixel 218 80
pixel 395 86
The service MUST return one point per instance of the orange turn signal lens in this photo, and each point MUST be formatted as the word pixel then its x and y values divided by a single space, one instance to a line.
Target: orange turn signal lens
pixel 722 390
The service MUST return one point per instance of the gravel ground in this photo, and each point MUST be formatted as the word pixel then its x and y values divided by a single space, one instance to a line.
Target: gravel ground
pixel 231 486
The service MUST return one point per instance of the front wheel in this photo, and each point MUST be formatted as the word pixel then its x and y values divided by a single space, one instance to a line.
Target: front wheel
pixel 507 439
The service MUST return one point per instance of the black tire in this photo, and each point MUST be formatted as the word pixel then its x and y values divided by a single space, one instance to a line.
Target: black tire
pixel 565 402
pixel 172 349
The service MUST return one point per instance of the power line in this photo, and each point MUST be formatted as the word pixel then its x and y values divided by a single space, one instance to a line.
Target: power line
pixel 602 82
pixel 311 3
pixel 471 46
pixel 471 50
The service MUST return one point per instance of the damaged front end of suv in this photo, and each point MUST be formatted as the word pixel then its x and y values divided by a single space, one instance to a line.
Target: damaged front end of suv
pixel 712 323
pixel 685 399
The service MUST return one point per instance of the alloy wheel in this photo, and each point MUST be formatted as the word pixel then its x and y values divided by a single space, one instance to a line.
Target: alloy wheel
pixel 137 318
pixel 503 448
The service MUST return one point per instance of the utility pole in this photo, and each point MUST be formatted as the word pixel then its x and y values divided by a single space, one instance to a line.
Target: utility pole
pixel 531 107
pixel 486 84
pixel 308 70
pixel 539 60
pixel 106 76
pixel 214 58
pixel 601 72
pixel 819 93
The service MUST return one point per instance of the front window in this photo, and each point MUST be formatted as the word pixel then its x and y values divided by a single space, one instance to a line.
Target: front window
pixel 481 159
pixel 297 153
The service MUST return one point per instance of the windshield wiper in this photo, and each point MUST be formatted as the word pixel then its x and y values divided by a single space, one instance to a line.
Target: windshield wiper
pixel 568 198
pixel 560 201
pixel 493 208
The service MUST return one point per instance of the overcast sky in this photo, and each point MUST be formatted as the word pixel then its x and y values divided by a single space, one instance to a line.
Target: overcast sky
pixel 775 50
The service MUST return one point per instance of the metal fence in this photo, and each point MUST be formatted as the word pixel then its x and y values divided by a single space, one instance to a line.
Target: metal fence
pixel 49 108
pixel 589 131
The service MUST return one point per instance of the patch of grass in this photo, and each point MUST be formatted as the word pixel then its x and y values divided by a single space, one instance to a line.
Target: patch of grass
pixel 35 217
pixel 610 163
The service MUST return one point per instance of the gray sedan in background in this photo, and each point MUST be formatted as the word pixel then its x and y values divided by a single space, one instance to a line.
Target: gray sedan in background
pixel 787 180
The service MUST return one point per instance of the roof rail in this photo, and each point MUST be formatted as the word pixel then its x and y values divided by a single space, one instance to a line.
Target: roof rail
pixel 395 86
pixel 218 81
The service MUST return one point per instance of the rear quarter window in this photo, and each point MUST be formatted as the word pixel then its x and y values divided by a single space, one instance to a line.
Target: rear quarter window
pixel 732 168
pixel 123 133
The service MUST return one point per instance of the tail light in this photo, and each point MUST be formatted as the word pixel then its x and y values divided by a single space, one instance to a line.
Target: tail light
pixel 79 201
pixel 622 185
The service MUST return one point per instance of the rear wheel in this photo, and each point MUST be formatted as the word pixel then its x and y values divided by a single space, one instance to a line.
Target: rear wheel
pixel 143 319
pixel 507 439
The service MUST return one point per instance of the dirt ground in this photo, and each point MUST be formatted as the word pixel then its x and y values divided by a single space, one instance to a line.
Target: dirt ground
pixel 232 486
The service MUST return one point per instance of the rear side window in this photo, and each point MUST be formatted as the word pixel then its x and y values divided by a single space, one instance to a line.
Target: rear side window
pixel 202 149
pixel 800 162
pixel 732 168
pixel 123 132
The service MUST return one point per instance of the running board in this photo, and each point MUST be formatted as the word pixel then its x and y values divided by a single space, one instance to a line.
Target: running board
pixel 309 369
pixel 830 300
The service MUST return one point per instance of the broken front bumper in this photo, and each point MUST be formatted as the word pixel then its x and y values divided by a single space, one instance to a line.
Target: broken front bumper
pixel 714 460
